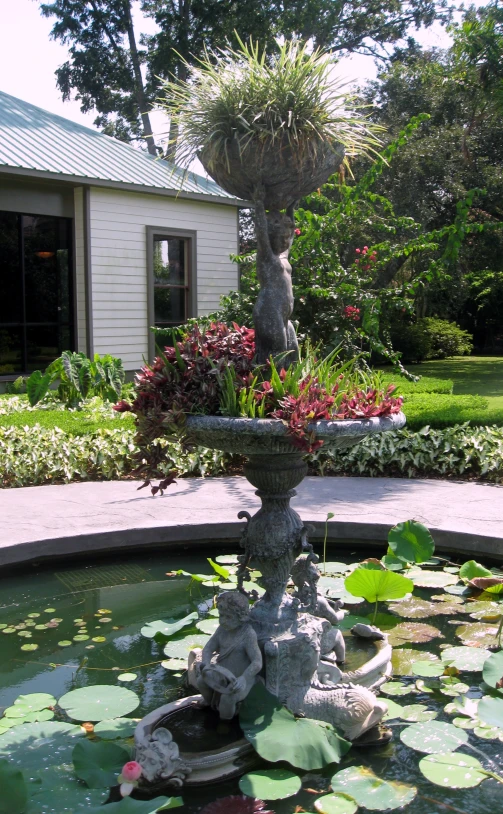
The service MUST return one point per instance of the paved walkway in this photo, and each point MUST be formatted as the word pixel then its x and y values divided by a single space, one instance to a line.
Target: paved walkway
pixel 46 521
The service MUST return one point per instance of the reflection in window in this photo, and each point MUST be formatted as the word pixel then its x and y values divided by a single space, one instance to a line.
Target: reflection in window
pixel 35 291
pixel 171 281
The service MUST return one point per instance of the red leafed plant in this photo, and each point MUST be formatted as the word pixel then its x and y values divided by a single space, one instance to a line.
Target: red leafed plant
pixel 212 372
pixel 236 805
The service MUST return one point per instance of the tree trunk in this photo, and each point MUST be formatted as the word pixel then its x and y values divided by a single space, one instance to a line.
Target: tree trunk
pixel 138 82
pixel 181 74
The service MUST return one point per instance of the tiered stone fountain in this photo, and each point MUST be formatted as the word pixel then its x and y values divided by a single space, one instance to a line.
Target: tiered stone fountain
pixel 289 641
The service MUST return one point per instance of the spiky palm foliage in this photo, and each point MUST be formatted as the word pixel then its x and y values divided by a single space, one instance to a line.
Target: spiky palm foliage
pixel 247 97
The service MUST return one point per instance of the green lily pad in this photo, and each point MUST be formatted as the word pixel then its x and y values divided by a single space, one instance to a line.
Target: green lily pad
pixel 334 568
pixel 477 634
pixel 336 804
pixel 490 711
pixel 14 791
pixel 404 657
pixel 396 687
pixel 394 710
pixel 131 806
pixel 116 728
pixel 433 737
pixel 227 559
pixel 99 639
pixel 465 659
pixel 81 637
pixel 432 579
pixel 453 687
pixel 29 647
pixel 489 733
pixel 392 563
pixel 180 648
pixel 493 670
pixel 9 630
pixel 464 723
pixel 472 569
pixel 427 669
pixel 167 629
pixel 208 625
pixel 127 677
pixel 452 770
pixel 98 764
pixel 65 643
pixel 417 713
pixel 418 632
pixel 34 747
pixel 98 703
pixel 277 735
pixel 376 586
pixel 370 791
pixel 411 542
pixel 270 784
pixel 176 665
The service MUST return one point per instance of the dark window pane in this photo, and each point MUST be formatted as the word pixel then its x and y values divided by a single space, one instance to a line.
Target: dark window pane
pixel 43 347
pixel 11 295
pixel 169 305
pixel 40 236
pixel 169 261
pixel 11 350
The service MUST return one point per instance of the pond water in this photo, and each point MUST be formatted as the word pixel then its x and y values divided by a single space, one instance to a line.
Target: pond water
pixel 85 621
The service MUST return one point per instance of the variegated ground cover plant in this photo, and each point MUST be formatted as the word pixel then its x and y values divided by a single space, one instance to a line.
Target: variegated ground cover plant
pixel 213 372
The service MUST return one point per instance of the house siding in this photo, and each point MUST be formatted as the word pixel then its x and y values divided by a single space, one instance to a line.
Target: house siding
pixel 80 275
pixel 119 222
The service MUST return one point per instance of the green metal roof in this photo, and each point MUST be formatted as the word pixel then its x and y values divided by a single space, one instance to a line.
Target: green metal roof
pixel 39 142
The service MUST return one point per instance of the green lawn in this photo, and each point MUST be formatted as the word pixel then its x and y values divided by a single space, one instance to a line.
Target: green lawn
pixel 475 375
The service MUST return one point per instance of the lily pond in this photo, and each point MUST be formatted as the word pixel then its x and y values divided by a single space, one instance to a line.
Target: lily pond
pixel 102 644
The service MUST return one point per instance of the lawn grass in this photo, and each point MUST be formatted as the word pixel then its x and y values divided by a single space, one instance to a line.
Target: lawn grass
pixel 471 375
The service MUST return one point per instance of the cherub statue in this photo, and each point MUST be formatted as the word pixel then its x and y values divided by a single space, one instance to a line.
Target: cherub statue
pixel 274 333
pixel 305 577
pixel 225 670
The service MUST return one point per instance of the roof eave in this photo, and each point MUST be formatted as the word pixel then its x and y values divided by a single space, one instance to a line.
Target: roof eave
pixel 140 188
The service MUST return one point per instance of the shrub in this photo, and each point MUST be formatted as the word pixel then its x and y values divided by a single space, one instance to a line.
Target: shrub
pixel 438 410
pixel 425 384
pixel 71 422
pixel 78 378
pixel 456 452
pixel 430 338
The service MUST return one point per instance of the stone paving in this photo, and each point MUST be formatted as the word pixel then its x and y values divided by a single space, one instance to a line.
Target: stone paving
pixel 46 521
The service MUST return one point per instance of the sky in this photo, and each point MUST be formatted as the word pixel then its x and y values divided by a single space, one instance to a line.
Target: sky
pixel 28 59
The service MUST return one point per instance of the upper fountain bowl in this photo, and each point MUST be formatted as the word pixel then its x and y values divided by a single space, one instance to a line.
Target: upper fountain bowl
pixel 268 436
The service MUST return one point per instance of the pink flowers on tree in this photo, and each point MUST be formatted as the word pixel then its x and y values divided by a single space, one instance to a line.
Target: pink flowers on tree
pixel 365 258
pixel 352 313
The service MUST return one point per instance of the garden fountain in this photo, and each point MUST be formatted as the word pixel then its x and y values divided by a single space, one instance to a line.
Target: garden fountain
pixel 289 641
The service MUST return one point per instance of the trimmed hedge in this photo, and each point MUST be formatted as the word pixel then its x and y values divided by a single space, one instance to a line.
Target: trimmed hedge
pixel 72 423
pixel 37 455
pixel 426 384
pixel 439 411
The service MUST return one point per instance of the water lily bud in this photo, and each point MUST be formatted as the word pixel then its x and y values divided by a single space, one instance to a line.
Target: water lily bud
pixel 126 789
pixel 131 771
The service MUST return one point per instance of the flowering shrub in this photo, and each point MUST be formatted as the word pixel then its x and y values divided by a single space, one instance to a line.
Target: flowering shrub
pixel 352 313
pixel 213 372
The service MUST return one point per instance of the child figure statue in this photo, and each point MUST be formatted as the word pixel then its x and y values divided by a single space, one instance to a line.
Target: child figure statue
pixel 274 333
pixel 225 670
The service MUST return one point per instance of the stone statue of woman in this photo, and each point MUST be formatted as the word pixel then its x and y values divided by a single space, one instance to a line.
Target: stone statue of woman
pixel 274 333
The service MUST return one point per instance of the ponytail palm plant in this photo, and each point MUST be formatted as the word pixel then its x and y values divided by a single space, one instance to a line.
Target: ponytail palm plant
pixel 255 118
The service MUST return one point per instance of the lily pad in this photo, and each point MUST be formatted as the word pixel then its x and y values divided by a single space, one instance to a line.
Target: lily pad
pixel 29 647
pixel 492 585
pixel 176 665
pixel 207 626
pixel 65 643
pixel 490 711
pixel 493 670
pixel 131 806
pixel 334 568
pixel 465 659
pixel 477 634
pixel 417 713
pixel 98 703
pixel 433 737
pixel 404 657
pixel 487 732
pixel 427 669
pixel 472 569
pixel 432 579
pixel 227 559
pixel 416 608
pixel 180 648
pixel 34 747
pixel 270 784
pixel 14 794
pixel 396 688
pixel 376 586
pixel 453 687
pixel 394 710
pixel 98 764
pixel 452 770
pixel 167 629
pixel 411 542
pixel 127 677
pixel 277 735
pixel 370 791
pixel 116 728
pixel 336 804
pixel 418 632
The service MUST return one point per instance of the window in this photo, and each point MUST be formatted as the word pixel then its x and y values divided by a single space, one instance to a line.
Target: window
pixel 171 280
pixel 36 313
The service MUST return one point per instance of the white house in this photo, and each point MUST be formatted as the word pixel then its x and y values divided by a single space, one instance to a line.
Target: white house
pixel 99 241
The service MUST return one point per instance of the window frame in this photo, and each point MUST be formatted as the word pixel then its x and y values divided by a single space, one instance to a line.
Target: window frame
pixel 163 232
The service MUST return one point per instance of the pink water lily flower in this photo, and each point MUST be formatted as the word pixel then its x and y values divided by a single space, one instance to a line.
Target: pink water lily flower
pixel 131 771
